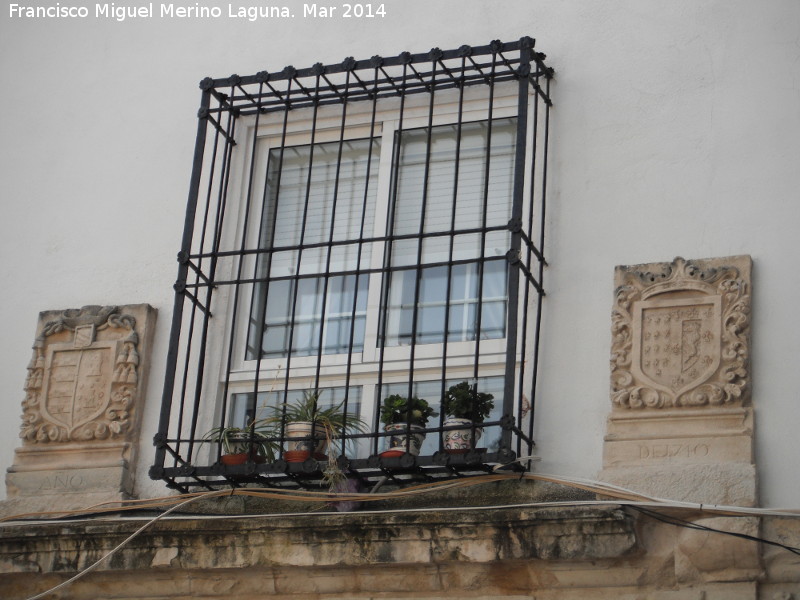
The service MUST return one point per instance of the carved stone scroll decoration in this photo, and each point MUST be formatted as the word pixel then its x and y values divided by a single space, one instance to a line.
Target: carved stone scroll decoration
pixel 82 377
pixel 680 334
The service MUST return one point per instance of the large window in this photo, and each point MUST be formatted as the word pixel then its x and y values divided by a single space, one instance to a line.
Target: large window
pixel 364 229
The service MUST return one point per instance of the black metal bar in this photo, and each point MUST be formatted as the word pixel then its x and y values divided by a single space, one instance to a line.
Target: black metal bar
pixel 451 248
pixel 516 213
pixel 529 243
pixel 289 350
pixel 484 213
pixel 196 269
pixel 356 271
pixel 385 92
pixel 521 398
pixel 221 202
pixel 391 61
pixel 419 270
pixel 264 241
pixel 195 301
pixel 387 259
pixel 177 309
pixel 358 275
pixel 329 247
pixel 383 238
pixel 221 130
pixel 541 263
pixel 529 277
pixel 239 268
pixel 523 403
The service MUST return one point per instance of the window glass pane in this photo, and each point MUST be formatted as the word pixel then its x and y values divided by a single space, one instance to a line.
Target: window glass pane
pixel 433 305
pixel 475 156
pixel 314 196
pixel 345 310
pixel 484 152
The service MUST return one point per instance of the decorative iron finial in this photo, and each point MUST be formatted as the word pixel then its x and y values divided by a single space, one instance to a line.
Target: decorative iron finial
pixel 527 42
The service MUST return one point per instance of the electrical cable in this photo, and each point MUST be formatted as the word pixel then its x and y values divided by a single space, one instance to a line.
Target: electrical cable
pixel 621 497
pixel 122 544
pixel 678 522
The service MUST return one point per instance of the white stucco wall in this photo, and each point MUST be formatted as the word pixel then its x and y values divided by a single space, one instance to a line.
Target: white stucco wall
pixel 676 131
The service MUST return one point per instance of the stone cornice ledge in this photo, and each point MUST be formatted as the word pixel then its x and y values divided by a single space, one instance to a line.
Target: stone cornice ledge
pixel 325 539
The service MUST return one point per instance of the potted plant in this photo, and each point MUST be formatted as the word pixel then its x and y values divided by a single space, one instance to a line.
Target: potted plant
pixel 464 405
pixel 406 419
pixel 241 444
pixel 308 428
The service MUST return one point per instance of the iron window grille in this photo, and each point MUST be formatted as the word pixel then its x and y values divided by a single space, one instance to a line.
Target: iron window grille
pixel 364 228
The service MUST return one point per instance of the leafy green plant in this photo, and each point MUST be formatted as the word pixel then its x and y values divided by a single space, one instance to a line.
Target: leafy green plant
pixel 332 420
pixel 256 439
pixel 399 409
pixel 464 401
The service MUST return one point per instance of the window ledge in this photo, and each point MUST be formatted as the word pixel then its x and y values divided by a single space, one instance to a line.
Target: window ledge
pixel 324 539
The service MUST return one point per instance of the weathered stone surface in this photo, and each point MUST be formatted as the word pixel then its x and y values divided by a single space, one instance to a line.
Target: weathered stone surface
pixel 782 567
pixel 439 554
pixel 82 408
pixel 719 483
pixel 332 539
pixel 681 424
pixel 681 334
pixel 709 556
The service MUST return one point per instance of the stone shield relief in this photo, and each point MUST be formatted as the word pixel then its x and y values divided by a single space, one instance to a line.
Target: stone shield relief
pixel 82 377
pixel 681 334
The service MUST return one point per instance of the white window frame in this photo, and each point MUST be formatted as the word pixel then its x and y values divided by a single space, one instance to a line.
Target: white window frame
pixel 364 365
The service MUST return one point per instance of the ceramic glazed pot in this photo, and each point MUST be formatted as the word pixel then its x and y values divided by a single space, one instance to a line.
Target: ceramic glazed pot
pixel 400 440
pixel 298 438
pixel 459 441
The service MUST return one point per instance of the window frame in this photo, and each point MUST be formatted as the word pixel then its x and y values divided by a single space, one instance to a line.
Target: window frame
pixel 460 353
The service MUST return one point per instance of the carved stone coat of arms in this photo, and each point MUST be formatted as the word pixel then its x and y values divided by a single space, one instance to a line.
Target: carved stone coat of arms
pixel 83 377
pixel 681 334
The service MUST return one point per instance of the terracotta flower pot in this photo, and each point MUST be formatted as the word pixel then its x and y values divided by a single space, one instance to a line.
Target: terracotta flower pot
pixel 240 458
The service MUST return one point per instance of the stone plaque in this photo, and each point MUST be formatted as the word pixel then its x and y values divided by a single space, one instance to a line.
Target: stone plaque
pixel 681 424
pixel 83 397
pixel 681 334
pixel 82 377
